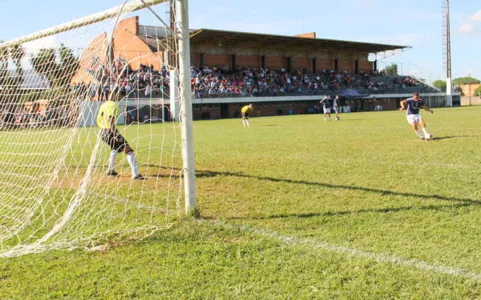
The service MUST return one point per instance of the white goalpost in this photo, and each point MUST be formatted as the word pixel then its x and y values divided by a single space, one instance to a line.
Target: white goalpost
pixel 63 185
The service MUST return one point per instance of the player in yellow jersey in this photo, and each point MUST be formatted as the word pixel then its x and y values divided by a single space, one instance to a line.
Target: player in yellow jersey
pixel 245 111
pixel 106 120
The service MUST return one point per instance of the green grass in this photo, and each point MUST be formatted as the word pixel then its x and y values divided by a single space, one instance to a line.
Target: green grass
pixel 279 200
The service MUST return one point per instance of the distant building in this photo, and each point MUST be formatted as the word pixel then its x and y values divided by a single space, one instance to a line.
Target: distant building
pixel 468 89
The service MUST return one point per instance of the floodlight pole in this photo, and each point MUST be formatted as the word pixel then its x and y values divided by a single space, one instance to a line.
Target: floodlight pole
pixel 449 83
pixel 182 8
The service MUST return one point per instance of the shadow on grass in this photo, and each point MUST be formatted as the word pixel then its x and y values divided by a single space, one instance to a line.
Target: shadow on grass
pixel 453 137
pixel 203 174
pixel 458 202
pixel 352 212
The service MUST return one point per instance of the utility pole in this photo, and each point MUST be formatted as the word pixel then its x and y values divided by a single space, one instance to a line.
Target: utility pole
pixel 469 76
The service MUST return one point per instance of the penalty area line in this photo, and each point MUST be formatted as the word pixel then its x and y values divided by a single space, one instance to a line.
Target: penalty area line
pixel 351 252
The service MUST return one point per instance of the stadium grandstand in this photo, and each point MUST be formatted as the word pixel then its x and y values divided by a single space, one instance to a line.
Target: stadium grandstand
pixel 280 74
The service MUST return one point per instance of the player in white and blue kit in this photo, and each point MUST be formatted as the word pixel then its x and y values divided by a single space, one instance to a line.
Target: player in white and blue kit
pixel 336 106
pixel 412 107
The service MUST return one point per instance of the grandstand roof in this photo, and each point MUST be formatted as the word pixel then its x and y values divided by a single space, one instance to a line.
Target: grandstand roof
pixel 269 39
pixel 150 33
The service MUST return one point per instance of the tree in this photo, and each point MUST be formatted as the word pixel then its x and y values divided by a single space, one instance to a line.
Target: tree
pixel 440 84
pixel 3 64
pixel 58 66
pixel 11 77
pixel 459 89
pixel 391 70
pixel 477 92
pixel 465 80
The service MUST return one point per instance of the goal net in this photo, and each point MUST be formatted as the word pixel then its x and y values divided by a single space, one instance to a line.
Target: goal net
pixel 57 189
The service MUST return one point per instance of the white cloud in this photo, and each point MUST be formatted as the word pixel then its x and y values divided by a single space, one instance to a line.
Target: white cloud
pixel 466 28
pixel 476 17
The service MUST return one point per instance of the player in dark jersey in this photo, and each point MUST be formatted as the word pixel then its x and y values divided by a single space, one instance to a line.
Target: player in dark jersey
pixel 326 107
pixel 412 107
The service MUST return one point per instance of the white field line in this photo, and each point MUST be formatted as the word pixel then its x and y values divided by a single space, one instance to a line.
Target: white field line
pixel 377 257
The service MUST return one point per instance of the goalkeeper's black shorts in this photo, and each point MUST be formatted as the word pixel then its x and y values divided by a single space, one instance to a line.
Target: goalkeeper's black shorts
pixel 114 139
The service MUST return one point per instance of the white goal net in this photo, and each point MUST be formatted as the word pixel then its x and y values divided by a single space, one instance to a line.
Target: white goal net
pixel 58 187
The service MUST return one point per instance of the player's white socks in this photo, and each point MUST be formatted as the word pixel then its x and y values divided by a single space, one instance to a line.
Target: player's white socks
pixel 133 163
pixel 426 133
pixel 246 123
pixel 113 157
pixel 419 134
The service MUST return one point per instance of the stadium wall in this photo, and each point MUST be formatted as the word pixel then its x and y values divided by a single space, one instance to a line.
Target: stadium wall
pixel 157 109
pixel 466 100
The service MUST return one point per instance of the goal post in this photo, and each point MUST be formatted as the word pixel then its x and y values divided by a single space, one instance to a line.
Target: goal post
pixel 186 104
pixel 69 181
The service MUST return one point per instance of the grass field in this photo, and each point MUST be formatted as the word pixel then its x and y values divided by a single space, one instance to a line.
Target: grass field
pixel 298 208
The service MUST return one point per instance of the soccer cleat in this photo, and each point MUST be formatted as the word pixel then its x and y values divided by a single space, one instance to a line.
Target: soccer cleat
pixel 138 177
pixel 112 173
pixel 337 119
pixel 429 137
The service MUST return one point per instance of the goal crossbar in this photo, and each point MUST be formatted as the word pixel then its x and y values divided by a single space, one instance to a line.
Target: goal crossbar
pixel 95 18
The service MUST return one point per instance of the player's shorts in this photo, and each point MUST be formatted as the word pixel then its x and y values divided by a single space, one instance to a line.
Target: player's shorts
pixel 245 115
pixel 327 110
pixel 336 110
pixel 413 118
pixel 114 139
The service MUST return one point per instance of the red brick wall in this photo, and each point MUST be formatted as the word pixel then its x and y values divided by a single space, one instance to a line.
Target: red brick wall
pixel 346 65
pixel 322 64
pixel 195 59
pixel 311 35
pixel 301 63
pixel 251 61
pixel 217 60
pixel 129 46
pixel 365 66
pixel 275 62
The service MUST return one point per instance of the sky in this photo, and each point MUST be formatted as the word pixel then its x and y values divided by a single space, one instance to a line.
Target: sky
pixel 414 23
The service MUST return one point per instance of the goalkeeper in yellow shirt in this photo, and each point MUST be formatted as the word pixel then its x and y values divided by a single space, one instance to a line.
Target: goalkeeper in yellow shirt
pixel 245 111
pixel 106 120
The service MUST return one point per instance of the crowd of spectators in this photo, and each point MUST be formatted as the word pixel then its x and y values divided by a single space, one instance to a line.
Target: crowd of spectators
pixel 222 82
pixel 144 82
pixel 147 82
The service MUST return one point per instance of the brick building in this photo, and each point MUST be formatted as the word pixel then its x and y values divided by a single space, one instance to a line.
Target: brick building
pixel 146 45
